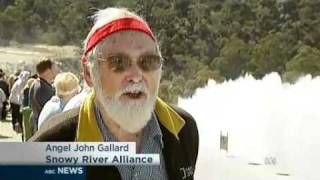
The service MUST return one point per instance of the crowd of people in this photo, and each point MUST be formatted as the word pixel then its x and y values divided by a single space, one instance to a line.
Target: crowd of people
pixel 45 93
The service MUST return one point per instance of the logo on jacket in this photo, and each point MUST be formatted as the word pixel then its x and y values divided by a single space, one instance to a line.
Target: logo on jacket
pixel 187 172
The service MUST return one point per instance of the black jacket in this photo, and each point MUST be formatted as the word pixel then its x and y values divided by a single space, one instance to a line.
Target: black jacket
pixel 5 87
pixel 180 155
pixel 40 92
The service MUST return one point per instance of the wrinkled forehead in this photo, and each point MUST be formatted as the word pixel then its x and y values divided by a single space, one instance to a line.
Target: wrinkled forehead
pixel 129 42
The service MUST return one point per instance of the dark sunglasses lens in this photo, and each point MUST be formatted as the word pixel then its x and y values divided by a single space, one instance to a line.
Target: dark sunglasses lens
pixel 149 63
pixel 119 63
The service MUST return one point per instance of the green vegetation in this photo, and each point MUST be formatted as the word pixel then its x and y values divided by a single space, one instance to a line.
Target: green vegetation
pixel 200 39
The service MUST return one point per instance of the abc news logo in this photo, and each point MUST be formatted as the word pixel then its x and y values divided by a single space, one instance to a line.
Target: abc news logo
pixel 65 170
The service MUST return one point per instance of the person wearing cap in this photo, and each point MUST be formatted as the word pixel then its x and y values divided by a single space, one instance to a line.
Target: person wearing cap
pixel 66 85
pixel 122 63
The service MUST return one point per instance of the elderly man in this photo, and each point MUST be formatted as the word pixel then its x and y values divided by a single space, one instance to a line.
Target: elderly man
pixel 122 63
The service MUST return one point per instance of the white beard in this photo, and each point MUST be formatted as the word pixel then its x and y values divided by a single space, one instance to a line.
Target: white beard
pixel 131 116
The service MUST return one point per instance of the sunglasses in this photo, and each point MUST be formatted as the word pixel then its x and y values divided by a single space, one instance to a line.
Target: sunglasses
pixel 120 62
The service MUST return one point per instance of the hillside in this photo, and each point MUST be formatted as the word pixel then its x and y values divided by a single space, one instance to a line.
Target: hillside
pixel 25 56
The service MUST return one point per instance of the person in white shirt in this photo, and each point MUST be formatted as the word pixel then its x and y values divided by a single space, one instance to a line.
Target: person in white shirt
pixel 15 100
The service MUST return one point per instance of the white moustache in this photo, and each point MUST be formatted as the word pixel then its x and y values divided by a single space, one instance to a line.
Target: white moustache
pixel 131 88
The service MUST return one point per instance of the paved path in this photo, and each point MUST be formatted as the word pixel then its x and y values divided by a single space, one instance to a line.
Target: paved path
pixel 7 134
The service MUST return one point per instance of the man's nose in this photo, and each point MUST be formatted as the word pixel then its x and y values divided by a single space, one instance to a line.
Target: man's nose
pixel 134 73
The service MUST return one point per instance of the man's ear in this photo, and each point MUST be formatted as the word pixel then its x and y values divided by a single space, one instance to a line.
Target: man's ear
pixel 86 74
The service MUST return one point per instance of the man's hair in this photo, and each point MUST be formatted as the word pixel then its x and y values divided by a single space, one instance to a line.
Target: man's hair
pixel 44 64
pixel 107 15
pixel 103 17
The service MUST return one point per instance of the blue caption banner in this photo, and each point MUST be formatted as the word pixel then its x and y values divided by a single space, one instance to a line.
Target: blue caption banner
pixel 43 172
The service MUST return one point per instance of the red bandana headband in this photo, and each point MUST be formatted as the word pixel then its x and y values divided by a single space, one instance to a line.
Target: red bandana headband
pixel 112 27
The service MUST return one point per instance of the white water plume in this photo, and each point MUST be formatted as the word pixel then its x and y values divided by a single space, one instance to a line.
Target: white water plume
pixel 268 122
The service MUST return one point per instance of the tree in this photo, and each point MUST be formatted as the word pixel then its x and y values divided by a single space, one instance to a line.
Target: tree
pixel 271 54
pixel 306 61
pixel 234 58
